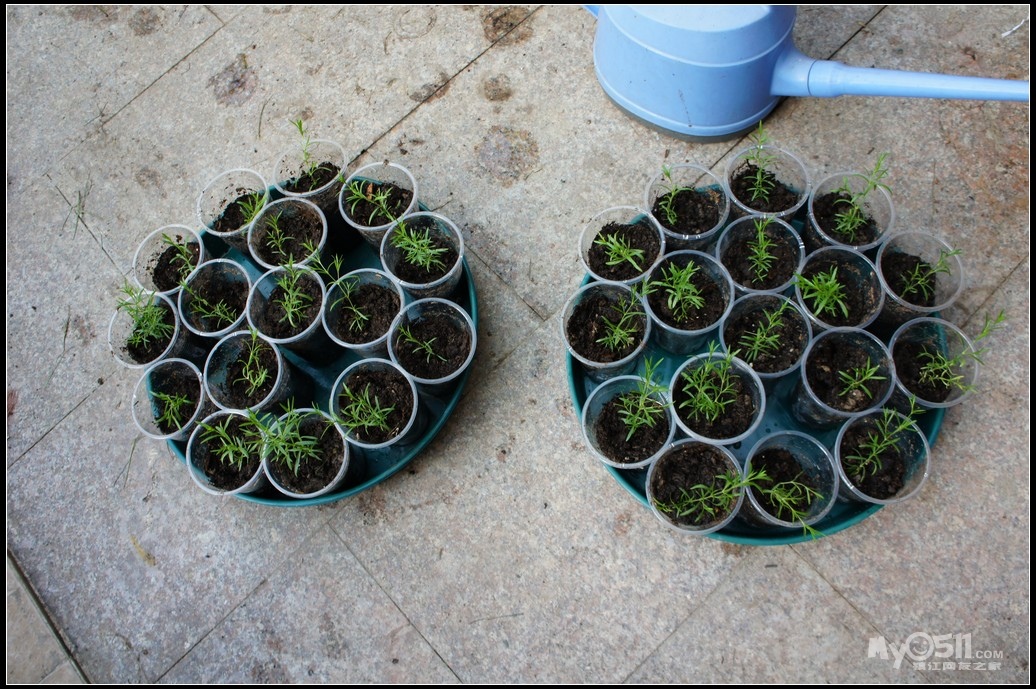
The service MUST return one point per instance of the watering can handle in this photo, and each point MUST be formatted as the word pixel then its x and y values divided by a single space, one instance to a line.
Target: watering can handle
pixel 799 75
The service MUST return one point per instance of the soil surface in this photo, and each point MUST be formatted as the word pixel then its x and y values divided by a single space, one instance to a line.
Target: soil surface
pixel 909 359
pixel 314 474
pixel 697 211
pixel 378 303
pixel 176 381
pixel 233 216
pixel 889 479
pixel 735 419
pixel 273 321
pixel 785 261
pixel 826 209
pixel 791 330
pixel 235 391
pixel 449 341
pixel 168 270
pixel 207 286
pixel 300 226
pixel 418 275
pixel 829 357
pixel 322 174
pixel 588 325
pixel 780 466
pixel 370 214
pixel 639 235
pixel 681 469
pixel 861 291
pixel 711 291
pixel 896 266
pixel 612 432
pixel 144 353
pixel 781 198
pixel 386 389
pixel 226 476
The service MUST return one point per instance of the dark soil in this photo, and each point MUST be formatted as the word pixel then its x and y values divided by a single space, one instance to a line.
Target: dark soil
pixel 418 275
pixel 146 353
pixel 380 305
pixel 300 226
pixel 861 291
pixel 273 321
pixel 449 340
pixel 897 265
pixel 235 392
pixel 682 468
pixel 781 197
pixel 388 389
pixel 207 286
pixel 640 235
pixel 791 329
pixel 611 433
pixel 233 216
pixel 314 475
pixel 735 420
pixel 226 476
pixel 785 259
pixel 369 214
pixel 697 211
pixel 323 174
pixel 826 359
pixel 587 326
pixel 907 357
pixel 697 319
pixel 887 481
pixel 168 270
pixel 780 466
pixel 176 381
pixel 826 209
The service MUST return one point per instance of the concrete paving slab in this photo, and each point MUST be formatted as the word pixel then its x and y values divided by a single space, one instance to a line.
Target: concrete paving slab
pixel 772 619
pixel 317 617
pixel 133 562
pixel 33 651
pixel 71 69
pixel 515 553
pixel 62 291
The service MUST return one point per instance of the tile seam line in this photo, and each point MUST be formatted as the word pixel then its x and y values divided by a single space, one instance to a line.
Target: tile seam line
pixel 396 605
pixel 866 618
pixel 38 603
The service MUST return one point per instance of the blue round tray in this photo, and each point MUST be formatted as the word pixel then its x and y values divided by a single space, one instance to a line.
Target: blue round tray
pixel 380 464
pixel 777 418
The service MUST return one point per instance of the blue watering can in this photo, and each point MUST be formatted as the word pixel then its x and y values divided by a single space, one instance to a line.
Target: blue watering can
pixel 714 71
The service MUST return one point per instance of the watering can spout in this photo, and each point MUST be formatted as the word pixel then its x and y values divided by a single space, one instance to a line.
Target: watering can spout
pixel 798 75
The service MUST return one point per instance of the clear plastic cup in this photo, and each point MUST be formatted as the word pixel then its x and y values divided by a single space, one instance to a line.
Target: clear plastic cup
pixel 668 336
pixel 684 454
pixel 149 406
pixel 393 256
pixel 377 173
pixel 679 178
pixel 215 205
pixel 621 216
pixel 595 406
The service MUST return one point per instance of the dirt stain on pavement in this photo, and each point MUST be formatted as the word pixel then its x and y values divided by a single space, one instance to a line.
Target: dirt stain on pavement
pixel 508 154
pixel 236 83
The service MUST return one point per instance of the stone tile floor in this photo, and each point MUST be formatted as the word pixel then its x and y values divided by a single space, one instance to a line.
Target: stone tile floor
pixel 482 561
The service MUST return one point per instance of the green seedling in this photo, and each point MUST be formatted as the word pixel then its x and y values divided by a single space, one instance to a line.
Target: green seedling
pixel 621 333
pixel 850 220
pixel 619 251
pixel 791 500
pixel 857 378
pixel 703 503
pixel 682 296
pixel 219 313
pixel 276 239
pixel 761 254
pixel 710 387
pixel 173 409
pixel 284 442
pixel 183 259
pixel 294 300
pixel 766 338
pixel 762 179
pixel 888 428
pixel 939 369
pixel 251 204
pixel 233 449
pixel 668 200
pixel 920 280
pixel 641 407
pixel 419 345
pixel 254 374
pixel 417 247
pixel 359 191
pixel 147 315
pixel 361 412
pixel 826 294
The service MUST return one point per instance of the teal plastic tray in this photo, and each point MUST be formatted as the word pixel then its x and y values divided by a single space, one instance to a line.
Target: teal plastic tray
pixel 381 464
pixel 843 514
